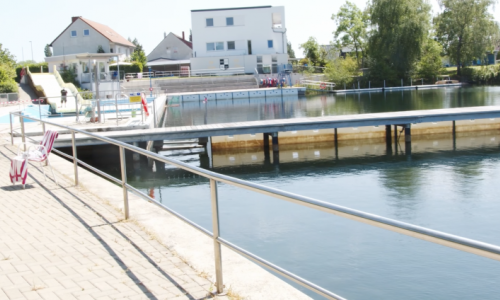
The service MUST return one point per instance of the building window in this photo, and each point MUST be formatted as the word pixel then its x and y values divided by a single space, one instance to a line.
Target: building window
pixel 111 50
pixel 210 46
pixel 210 22
pixel 86 32
pixel 277 23
pixel 259 65
pixel 274 58
pixel 73 33
pixel 219 46
pixel 249 45
pixel 269 43
pixel 230 46
pixel 229 21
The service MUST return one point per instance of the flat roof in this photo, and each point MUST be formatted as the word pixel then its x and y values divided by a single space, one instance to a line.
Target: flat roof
pixel 233 8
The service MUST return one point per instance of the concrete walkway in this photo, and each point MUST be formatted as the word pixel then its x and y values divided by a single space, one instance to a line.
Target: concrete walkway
pixel 25 92
pixel 61 242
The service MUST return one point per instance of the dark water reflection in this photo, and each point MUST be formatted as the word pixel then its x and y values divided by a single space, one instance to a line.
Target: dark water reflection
pixel 448 186
pixel 224 111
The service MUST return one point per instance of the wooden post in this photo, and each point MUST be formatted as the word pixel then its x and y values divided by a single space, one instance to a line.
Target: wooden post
pixel 408 139
pixel 276 149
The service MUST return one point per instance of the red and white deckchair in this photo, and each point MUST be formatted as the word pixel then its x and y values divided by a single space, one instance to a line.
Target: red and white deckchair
pixel 18 170
pixel 40 153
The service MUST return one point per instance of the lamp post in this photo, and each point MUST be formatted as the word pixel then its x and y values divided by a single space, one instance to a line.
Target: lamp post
pixel 32 52
pixel 150 83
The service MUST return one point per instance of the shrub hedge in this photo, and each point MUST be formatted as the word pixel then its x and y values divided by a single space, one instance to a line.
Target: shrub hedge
pixel 34 68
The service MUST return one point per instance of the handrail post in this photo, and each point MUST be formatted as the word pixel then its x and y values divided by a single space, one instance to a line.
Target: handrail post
pixel 11 131
pixel 75 160
pixel 21 120
pixel 123 167
pixel 217 249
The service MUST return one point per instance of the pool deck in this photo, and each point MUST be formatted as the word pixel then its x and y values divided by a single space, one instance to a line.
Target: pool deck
pixel 67 242
pixel 63 242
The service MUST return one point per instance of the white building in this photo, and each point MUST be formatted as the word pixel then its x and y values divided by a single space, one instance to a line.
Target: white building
pixel 171 53
pixel 85 46
pixel 248 38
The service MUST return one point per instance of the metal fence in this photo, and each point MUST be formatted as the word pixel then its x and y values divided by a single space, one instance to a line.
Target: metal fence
pixel 433 236
pixel 6 97
pixel 187 73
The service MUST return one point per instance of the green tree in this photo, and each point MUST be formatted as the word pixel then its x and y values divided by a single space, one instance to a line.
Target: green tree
pixel 342 70
pixel 100 49
pixel 430 64
pixel 8 61
pixel 464 28
pixel 311 50
pixel 138 55
pixel 400 29
pixel 7 71
pixel 351 27
pixel 47 51
pixel 290 51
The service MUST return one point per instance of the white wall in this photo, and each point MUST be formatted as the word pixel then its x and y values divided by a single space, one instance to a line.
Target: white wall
pixel 177 49
pixel 249 24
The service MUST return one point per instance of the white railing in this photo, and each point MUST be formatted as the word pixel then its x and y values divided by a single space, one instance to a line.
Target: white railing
pixel 318 85
pixel 185 73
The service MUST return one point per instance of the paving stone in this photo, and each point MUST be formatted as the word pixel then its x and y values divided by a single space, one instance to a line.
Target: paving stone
pixel 61 242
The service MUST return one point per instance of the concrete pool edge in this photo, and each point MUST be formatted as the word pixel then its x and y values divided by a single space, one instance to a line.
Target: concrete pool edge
pixel 241 276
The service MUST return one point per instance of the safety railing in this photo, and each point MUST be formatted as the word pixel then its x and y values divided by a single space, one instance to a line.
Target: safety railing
pixel 430 235
pixel 318 85
pixel 6 97
pixel 185 73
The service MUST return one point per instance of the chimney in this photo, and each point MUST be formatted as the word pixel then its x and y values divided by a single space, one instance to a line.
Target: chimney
pixel 190 37
pixel 73 19
pixel 183 36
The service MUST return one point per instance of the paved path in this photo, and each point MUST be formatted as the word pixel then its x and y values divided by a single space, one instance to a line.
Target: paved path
pixel 64 243
pixel 25 92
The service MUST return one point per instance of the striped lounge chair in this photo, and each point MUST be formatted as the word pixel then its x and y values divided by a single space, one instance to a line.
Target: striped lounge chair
pixel 40 153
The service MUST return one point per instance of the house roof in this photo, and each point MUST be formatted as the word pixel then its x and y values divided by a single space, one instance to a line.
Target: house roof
pixel 234 8
pixel 104 30
pixel 188 43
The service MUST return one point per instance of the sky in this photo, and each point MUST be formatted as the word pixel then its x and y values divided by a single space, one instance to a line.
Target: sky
pixel 147 20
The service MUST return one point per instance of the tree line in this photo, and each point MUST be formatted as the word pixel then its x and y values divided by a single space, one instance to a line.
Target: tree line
pixel 397 39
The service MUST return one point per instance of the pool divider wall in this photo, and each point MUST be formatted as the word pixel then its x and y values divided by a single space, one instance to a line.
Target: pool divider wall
pixel 352 149
pixel 359 133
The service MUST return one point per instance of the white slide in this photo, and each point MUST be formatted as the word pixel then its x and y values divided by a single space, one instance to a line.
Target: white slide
pixel 53 90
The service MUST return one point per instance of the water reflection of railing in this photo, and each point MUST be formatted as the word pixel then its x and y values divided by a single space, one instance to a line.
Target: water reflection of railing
pixel 433 236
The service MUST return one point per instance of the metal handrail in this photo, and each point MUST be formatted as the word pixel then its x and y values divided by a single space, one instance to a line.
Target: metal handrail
pixel 456 242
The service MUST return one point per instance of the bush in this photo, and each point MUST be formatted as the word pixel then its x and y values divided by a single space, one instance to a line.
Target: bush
pixel 69 76
pixel 9 86
pixel 86 94
pixel 135 67
pixel 430 63
pixel 483 75
pixel 34 68
pixel 342 71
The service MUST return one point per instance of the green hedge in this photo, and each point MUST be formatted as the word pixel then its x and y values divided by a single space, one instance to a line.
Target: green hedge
pixel 34 68
pixel 8 87
pixel 483 75
pixel 135 67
